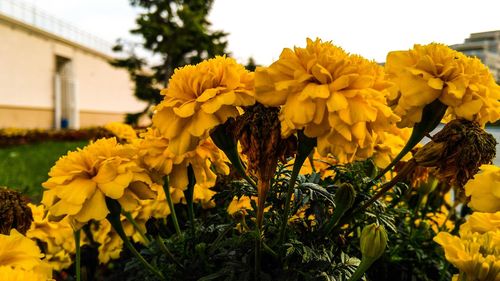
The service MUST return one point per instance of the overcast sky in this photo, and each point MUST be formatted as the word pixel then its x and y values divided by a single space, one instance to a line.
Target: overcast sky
pixel 262 28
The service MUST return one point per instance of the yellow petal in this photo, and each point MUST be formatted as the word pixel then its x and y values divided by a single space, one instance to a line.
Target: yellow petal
pixel 114 189
pixel 185 110
pixel 95 208
pixel 77 191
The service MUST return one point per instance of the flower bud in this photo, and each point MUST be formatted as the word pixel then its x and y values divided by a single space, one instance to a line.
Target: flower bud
pixel 344 199
pixel 345 196
pixel 373 241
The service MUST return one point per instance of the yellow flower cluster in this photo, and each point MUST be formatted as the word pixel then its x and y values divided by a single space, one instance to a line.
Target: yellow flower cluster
pixel 240 205
pixel 57 236
pixel 476 253
pixel 199 98
pixel 435 71
pixel 154 152
pixel 338 98
pixel 121 131
pixel 389 144
pixel 20 259
pixel 484 189
pixel 80 181
pixel 110 243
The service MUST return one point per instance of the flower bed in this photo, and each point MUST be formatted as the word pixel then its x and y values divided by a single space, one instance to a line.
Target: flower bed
pixel 308 169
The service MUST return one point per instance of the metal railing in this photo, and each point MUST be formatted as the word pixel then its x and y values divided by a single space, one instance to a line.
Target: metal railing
pixel 35 17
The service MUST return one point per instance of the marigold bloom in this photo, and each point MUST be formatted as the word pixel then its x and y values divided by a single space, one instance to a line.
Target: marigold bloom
pixel 481 223
pixel 110 243
pixel 199 98
pixel 435 71
pixel 18 274
pixel 57 236
pixel 484 189
pixel 339 99
pixel 121 131
pixel 21 255
pixel 240 205
pixel 476 255
pixel 154 152
pixel 80 181
pixel 389 144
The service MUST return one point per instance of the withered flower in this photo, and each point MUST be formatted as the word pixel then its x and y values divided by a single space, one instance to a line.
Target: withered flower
pixel 259 133
pixel 14 212
pixel 457 151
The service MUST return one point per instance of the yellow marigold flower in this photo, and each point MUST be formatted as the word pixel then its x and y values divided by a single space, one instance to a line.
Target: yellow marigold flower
pixel 339 99
pixel 21 255
pixel 154 152
pixel 80 181
pixel 440 221
pixel 476 255
pixel 57 237
pixel 18 274
pixel 121 131
pixel 110 243
pixel 240 205
pixel 300 216
pixel 484 189
pixel 481 223
pixel 199 98
pixel 435 71
pixel 389 144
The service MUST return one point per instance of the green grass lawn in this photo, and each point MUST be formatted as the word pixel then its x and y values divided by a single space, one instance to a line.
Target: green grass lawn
pixel 25 167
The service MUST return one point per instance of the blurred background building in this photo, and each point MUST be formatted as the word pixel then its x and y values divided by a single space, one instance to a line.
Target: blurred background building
pixel 53 75
pixel 485 46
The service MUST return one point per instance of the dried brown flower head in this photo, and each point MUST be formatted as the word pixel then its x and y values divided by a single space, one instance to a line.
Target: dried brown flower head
pixel 14 212
pixel 457 151
pixel 259 132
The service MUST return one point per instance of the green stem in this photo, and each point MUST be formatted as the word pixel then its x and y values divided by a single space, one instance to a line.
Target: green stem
pixel 166 189
pixel 223 138
pixel 258 250
pixel 114 219
pixel 78 255
pixel 306 145
pixel 386 187
pixel 431 117
pixel 136 226
pixel 360 271
pixel 165 250
pixel 189 198
pixel 269 250
pixel 233 156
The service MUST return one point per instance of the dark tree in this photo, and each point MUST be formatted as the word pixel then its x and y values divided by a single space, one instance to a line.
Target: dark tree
pixel 176 31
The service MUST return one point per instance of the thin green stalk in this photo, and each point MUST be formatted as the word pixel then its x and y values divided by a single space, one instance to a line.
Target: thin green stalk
pixel 224 139
pixel 166 189
pixel 258 250
pixel 386 187
pixel 165 250
pixel 189 198
pixel 286 212
pixel 235 159
pixel 114 219
pixel 78 255
pixel 269 250
pixel 136 226
pixel 306 145
pixel 360 271
pixel 431 117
